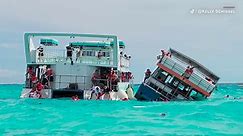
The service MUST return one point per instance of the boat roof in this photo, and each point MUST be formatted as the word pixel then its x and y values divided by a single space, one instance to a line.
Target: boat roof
pixel 29 45
pixel 194 63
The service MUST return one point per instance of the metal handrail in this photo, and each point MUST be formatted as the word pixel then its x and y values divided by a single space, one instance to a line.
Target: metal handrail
pixel 60 56
pixel 194 78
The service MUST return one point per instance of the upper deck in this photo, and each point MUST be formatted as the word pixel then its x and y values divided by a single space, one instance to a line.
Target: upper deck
pixel 203 80
pixel 88 46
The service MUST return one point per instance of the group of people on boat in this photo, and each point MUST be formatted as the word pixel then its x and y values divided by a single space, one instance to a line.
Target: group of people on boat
pixel 105 83
pixel 70 50
pixel 38 84
pixel 111 77
pixel 79 53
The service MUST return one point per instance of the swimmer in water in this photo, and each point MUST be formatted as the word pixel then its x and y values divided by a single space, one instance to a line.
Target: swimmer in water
pixel 162 114
pixel 226 96
pixel 75 98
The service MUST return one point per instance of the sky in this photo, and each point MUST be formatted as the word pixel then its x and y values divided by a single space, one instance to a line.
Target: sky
pixel 193 27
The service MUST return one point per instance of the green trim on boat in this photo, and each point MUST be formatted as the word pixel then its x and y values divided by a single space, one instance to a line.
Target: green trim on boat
pixel 49 41
pixel 90 44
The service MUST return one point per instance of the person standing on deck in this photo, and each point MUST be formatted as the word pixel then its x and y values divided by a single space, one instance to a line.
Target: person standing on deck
pixel 39 88
pixel 113 78
pixel 188 72
pixel 78 53
pixel 165 53
pixel 40 54
pixel 95 77
pixel 28 75
pixel 69 53
pixel 129 76
pixel 100 54
pixel 50 77
pixel 147 74
pixel 123 77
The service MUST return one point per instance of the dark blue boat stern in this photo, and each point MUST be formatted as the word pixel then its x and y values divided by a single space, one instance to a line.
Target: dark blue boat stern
pixel 146 93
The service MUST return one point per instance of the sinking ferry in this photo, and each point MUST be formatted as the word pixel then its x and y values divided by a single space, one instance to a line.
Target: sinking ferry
pixel 76 65
pixel 177 77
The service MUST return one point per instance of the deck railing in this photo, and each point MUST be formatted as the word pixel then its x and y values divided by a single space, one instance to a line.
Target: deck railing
pixel 195 78
pixel 53 56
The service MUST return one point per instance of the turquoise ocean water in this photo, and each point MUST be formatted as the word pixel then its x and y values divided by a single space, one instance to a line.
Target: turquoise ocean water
pixel 215 116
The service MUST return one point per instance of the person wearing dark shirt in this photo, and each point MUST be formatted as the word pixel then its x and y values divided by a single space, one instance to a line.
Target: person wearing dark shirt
pixel 69 53
pixel 147 74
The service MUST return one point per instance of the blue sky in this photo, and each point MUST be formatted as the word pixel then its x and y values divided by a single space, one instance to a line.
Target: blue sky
pixel 146 26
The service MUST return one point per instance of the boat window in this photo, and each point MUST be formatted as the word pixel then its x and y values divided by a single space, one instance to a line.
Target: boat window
pixel 168 79
pixel 187 88
pixel 153 86
pixel 88 53
pixel 156 72
pixel 106 54
pixel 193 93
pixel 175 83
pixel 181 86
pixel 161 76
pixel 164 73
pixel 196 95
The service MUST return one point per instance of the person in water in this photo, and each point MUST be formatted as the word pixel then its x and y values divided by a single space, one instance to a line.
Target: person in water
pixel 32 93
pixel 75 98
pixel 106 93
pixel 226 96
pixel 96 93
pixel 147 74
